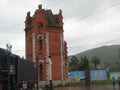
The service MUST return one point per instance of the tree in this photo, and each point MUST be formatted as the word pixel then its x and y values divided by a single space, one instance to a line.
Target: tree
pixel 84 63
pixel 74 61
pixel 95 60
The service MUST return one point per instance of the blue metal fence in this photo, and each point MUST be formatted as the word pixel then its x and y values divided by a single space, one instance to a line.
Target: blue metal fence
pixel 98 74
pixel 94 74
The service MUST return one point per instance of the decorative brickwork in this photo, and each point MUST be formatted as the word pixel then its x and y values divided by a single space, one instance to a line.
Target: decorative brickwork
pixel 45 40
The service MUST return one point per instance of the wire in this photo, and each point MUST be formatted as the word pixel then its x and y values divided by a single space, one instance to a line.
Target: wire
pixel 19 50
pixel 83 17
pixel 96 44
pixel 92 13
pixel 101 10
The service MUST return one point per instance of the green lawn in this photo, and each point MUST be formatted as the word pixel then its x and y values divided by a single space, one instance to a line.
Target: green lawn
pixel 82 83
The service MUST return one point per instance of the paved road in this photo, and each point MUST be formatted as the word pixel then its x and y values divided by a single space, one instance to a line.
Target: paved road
pixel 108 87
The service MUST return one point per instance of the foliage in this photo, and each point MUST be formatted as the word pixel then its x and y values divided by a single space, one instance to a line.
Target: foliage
pixel 84 63
pixel 74 61
pixel 79 64
pixel 95 60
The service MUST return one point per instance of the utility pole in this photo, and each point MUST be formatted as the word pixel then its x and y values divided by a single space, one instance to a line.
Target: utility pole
pixel 87 72
pixel 9 48
pixel 118 56
pixel 50 72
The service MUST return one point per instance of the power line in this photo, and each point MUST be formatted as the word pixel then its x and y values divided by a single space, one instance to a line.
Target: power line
pixel 19 50
pixel 92 13
pixel 82 17
pixel 107 42
pixel 101 10
pixel 22 50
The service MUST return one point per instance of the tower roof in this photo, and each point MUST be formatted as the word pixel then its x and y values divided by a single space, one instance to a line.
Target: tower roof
pixel 52 19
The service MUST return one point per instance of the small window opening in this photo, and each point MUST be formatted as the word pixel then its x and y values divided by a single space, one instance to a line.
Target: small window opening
pixel 40 43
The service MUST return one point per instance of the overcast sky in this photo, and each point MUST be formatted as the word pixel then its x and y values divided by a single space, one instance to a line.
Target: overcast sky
pixel 87 23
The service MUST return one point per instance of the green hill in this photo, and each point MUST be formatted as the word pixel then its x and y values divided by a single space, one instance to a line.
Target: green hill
pixel 109 55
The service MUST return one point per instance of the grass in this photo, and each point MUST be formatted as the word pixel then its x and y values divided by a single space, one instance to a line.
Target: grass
pixel 82 83
pixel 73 84
pixel 103 82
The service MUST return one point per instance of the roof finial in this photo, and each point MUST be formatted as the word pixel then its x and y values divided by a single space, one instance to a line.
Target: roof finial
pixel 60 11
pixel 40 6
pixel 28 14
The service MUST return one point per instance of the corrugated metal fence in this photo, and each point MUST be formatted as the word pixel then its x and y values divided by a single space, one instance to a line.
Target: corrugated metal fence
pixel 94 74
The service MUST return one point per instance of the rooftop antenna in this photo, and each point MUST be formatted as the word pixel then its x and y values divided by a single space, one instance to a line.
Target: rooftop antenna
pixel 9 47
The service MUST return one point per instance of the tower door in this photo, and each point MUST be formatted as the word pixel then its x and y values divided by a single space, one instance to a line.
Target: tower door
pixel 41 72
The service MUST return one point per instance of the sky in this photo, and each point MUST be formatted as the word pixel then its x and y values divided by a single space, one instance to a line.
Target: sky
pixel 87 23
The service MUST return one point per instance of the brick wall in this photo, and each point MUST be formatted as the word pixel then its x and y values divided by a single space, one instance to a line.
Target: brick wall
pixel 42 22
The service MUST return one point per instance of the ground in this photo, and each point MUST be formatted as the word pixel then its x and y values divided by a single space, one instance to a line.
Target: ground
pixel 103 87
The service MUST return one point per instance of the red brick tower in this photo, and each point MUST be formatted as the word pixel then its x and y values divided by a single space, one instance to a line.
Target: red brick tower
pixel 45 41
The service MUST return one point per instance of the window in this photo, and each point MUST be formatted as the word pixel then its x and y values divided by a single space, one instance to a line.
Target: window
pixel 40 25
pixel 40 37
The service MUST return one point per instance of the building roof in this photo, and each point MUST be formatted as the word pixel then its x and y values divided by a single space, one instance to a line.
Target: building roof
pixel 3 51
pixel 114 69
pixel 52 19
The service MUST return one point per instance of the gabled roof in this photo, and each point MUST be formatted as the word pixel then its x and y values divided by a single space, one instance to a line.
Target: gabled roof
pixel 52 19
pixel 4 52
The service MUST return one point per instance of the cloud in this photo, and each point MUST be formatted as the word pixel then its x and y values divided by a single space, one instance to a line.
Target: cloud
pixel 87 23
pixel 101 28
